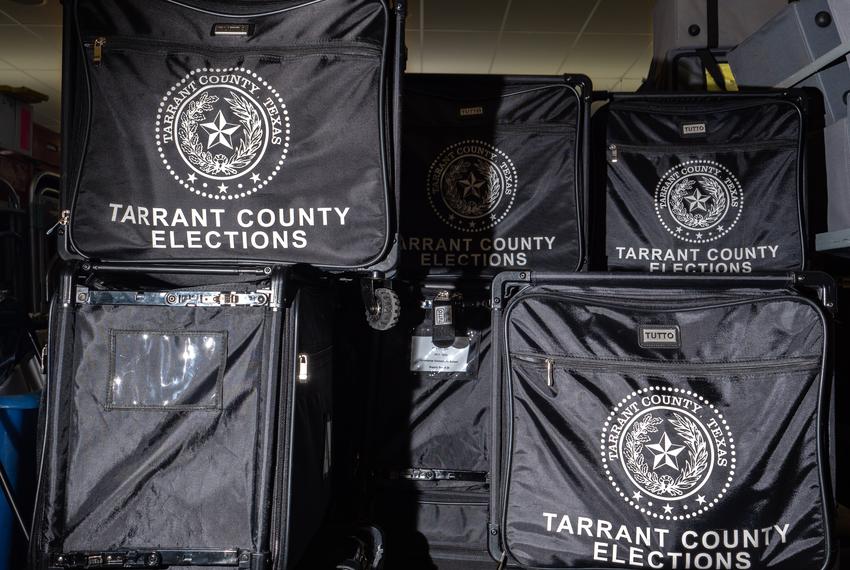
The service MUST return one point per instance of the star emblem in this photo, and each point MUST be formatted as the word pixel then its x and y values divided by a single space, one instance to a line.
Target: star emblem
pixel 219 131
pixel 678 230
pixel 191 177
pixel 699 235
pixel 471 224
pixel 255 178
pixel 222 188
pixel 701 499
pixel 667 509
pixel 697 200
pixel 452 217
pixel 637 496
pixel 472 186
pixel 665 453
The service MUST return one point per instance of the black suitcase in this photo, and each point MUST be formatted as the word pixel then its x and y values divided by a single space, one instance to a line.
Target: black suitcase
pixel 211 131
pixel 703 183
pixel 663 421
pixel 432 376
pixel 185 428
pixel 494 173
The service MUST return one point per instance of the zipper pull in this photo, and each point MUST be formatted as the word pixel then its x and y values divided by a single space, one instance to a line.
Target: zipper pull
pixel 613 155
pixel 550 372
pixel 97 50
pixel 503 561
pixel 64 218
pixel 302 368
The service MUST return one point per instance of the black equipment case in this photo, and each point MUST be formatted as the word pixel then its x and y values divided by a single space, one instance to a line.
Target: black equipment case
pixel 206 131
pixel 519 145
pixel 494 173
pixel 663 421
pixel 705 183
pixel 185 428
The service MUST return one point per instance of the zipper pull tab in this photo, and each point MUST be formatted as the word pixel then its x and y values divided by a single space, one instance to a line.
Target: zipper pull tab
pixel 550 372
pixel 64 218
pixel 503 562
pixel 302 368
pixel 97 50
pixel 613 154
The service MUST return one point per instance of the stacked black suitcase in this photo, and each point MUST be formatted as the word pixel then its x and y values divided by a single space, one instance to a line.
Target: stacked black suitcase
pixel 672 417
pixel 494 178
pixel 188 421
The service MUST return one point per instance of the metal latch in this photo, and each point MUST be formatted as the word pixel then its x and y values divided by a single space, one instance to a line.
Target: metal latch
pixel 303 368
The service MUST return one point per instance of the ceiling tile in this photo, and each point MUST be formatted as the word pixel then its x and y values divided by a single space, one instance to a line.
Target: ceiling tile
pixel 630 85
pixel 548 15
pixel 17 78
pixel 622 17
pixel 414 53
pixel 31 52
pixel 50 13
pixel 5 64
pixel 640 68
pixel 459 52
pixel 50 78
pixel 6 20
pixel 604 55
pixel 413 9
pixel 604 83
pixel 538 54
pixel 465 14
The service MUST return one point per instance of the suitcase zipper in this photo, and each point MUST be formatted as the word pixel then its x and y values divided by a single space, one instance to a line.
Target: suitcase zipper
pixel 64 217
pixel 152 46
pixel 97 50
pixel 613 149
pixel 683 368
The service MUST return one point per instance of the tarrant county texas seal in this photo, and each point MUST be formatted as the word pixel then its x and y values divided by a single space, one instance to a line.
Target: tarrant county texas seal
pixel 222 133
pixel 668 452
pixel 699 201
pixel 472 185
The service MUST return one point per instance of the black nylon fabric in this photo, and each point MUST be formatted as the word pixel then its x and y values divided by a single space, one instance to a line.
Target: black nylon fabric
pixel 705 184
pixel 492 174
pixel 238 454
pixel 153 477
pixel 705 452
pixel 191 145
pixel 430 421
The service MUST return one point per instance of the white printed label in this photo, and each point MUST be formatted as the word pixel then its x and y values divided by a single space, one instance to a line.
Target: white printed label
pixel 425 357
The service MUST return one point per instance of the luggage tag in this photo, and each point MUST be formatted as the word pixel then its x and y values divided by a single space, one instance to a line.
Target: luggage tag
pixel 441 345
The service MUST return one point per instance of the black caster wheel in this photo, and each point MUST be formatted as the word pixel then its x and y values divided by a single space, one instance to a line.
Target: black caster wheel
pixel 385 309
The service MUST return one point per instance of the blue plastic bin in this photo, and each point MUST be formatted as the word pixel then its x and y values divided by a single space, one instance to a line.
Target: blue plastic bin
pixel 18 418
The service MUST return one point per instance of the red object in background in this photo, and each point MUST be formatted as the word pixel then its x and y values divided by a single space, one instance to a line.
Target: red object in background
pixel 25 129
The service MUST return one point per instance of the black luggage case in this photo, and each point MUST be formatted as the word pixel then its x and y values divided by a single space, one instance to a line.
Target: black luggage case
pixel 665 422
pixel 207 131
pixel 494 173
pixel 704 183
pixel 430 407
pixel 185 428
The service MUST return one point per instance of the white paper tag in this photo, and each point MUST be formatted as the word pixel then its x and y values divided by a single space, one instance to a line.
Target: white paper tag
pixel 425 357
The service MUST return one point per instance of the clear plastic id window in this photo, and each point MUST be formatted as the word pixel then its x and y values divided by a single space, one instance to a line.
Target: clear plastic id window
pixel 166 370
pixel 427 358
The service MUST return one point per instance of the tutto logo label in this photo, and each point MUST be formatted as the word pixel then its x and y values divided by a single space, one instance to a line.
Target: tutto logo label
pixel 691 129
pixel 654 336
pixel 699 201
pixel 471 111
pixel 222 133
pixel 472 185
pixel 668 452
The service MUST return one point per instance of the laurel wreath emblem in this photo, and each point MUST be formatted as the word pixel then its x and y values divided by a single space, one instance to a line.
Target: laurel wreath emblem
pixel 665 485
pixel 698 221
pixel 218 164
pixel 492 185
